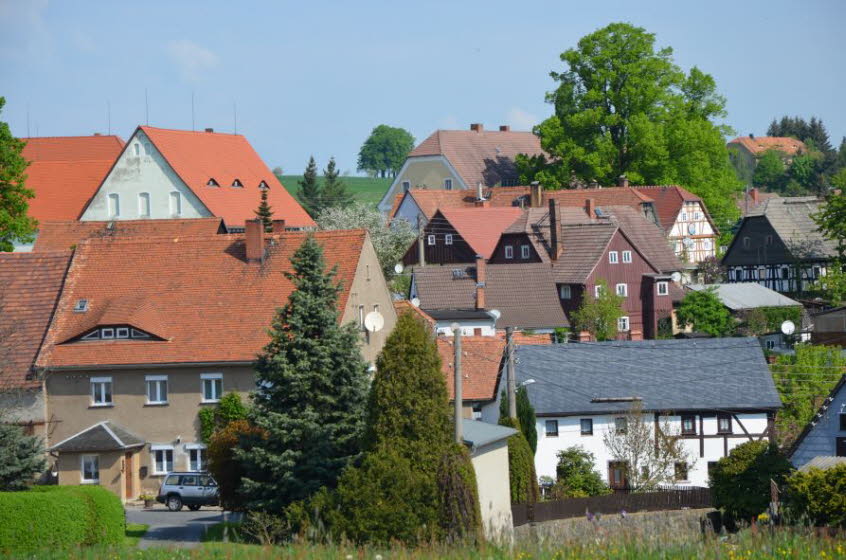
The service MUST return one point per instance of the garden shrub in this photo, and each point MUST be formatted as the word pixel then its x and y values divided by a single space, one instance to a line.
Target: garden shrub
pixel 21 457
pixel 741 481
pixel 460 512
pixel 819 496
pixel 227 471
pixel 59 517
pixel 577 475
pixel 521 466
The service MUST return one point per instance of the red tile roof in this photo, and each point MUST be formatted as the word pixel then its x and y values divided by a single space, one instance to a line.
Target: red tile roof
pixel 66 171
pixel 669 201
pixel 405 306
pixel 481 360
pixel 61 236
pixel 481 227
pixel 610 196
pixel 198 293
pixel 760 144
pixel 30 284
pixel 199 156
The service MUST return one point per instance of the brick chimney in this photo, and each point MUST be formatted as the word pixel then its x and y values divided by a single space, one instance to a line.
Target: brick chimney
pixel 753 195
pixel 209 130
pixel 553 230
pixel 480 282
pixel 622 181
pixel 635 334
pixel 278 226
pixel 535 191
pixel 504 128
pixel 590 208
pixel 254 230
pixel 477 127
pixel 585 336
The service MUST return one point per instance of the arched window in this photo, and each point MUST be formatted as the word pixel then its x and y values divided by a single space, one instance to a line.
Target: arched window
pixel 144 205
pixel 114 205
pixel 175 204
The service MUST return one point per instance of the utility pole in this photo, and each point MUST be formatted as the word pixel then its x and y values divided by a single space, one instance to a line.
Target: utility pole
pixel 512 382
pixel 421 251
pixel 456 331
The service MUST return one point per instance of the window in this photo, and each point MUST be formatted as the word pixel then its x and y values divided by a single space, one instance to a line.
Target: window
pixel 101 391
pixel 586 425
pixel 361 317
pixel 405 186
pixel 196 457
pixel 816 272
pixel 723 423
pixel 746 242
pixel 156 389
pixel 162 458
pixel 613 257
pixel 148 149
pixel 663 288
pixel 623 324
pixel 707 244
pixel 212 386
pixel 114 205
pixel 565 291
pixel 623 290
pixel 212 183
pixel 137 149
pixel 627 256
pixel 90 469
pixel 448 239
pixel 552 428
pixel 139 334
pixel 784 273
pixel 840 447
pixel 107 333
pixel 93 335
pixel 680 474
pixel 524 251
pixel 237 184
pixel 477 411
pixel 81 306
pixel 697 215
pixel 688 425
pixel 621 424
pixel 144 204
pixel 188 480
pixel 711 466
pixel 172 480
pixel 509 252
pixel 684 216
pixel 597 290
pixel 448 184
pixel 843 422
pixel 430 239
pixel 175 204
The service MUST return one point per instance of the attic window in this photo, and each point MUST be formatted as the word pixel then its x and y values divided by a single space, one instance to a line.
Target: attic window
pixel 237 184
pixel 110 333
pixel 212 183
pixel 81 306
pixel 262 186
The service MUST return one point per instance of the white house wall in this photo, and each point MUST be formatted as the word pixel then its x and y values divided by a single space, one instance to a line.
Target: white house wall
pixel 444 328
pixel 490 464
pixel 691 222
pixel 144 173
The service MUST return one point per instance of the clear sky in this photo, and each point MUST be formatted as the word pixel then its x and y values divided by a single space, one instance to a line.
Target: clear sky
pixel 315 77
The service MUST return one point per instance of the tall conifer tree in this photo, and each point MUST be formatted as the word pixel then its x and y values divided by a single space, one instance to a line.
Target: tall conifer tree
pixel 334 190
pixel 310 193
pixel 265 212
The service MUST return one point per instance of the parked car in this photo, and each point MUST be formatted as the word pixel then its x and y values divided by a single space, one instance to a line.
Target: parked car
pixel 193 489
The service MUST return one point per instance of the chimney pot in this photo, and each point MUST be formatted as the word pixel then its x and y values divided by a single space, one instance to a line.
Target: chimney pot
pixel 590 208
pixel 209 130
pixel 753 195
pixel 553 230
pixel 477 127
pixel 622 181
pixel 504 128
pixel 278 226
pixel 254 230
pixel 480 282
pixel 97 134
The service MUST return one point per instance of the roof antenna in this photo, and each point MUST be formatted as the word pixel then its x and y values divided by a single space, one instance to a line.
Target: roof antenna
pixel 28 135
pixel 192 110
pixel 146 108
pixel 235 116
pixel 109 116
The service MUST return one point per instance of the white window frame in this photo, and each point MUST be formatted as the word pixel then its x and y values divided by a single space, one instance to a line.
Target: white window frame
pixel 627 257
pixel 447 184
pixel 622 290
pixel 613 257
pixel 97 385
pixel 175 203
pixel 107 333
pixel 144 197
pixel 139 334
pixel 448 239
pixel 113 199
pixel 157 380
pixel 430 240
pixel 597 290
pixel 546 430
pixel 154 449
pixel 82 461
pixel 509 252
pixel 565 291
pixel 684 216
pixel 137 148
pixel 663 288
pixel 122 332
pixel 524 251
pixel 697 215
pixel 211 377
pixel 707 244
pixel 623 324
pixel 200 449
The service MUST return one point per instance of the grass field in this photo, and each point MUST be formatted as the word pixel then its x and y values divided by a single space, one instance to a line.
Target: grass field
pixel 364 189
pixel 134 532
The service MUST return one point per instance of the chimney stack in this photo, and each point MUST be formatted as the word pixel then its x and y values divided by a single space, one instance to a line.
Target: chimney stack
pixel 753 195
pixel 535 195
pixel 553 230
pixel 97 134
pixel 477 127
pixel 622 181
pixel 209 130
pixel 590 208
pixel 504 128
pixel 278 226
pixel 254 230
pixel 480 282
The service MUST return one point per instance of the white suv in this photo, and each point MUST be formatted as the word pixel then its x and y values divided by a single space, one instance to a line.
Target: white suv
pixel 193 489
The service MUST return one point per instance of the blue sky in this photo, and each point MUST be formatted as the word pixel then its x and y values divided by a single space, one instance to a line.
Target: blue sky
pixel 315 77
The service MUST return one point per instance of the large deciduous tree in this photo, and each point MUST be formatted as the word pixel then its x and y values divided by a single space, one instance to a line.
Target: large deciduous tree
pixel 385 150
pixel 624 108
pixel 15 224
pixel 311 387
pixel 704 311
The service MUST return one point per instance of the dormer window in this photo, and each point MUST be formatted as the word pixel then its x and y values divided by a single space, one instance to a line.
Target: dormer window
pixel 212 183
pixel 115 333
pixel 237 184
pixel 81 306
pixel 262 186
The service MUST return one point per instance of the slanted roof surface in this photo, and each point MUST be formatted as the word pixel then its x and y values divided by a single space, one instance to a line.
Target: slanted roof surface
pixel 30 285
pixel 746 295
pixel 669 201
pixel 199 156
pixel 481 359
pixel 582 247
pixel 823 462
pixel 667 375
pixel 105 436
pixel 65 172
pixel 481 227
pixel 647 238
pixel 791 218
pixel 63 235
pixel 760 144
pixel 479 434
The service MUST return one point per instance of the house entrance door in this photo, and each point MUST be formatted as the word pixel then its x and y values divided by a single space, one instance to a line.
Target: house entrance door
pixel 617 479
pixel 127 474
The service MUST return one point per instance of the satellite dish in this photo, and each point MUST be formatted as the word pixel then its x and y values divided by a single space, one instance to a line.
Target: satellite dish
pixel 691 229
pixel 374 321
pixel 398 268
pixel 788 327
pixel 415 302
pixel 675 277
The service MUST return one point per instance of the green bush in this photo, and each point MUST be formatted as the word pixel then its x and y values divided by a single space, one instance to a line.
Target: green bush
pixel 461 517
pixel 577 476
pixel 741 481
pixel 60 516
pixel 521 466
pixel 819 496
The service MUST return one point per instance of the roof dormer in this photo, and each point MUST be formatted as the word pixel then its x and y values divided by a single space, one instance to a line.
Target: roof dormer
pixel 237 184
pixel 212 183
pixel 263 186
pixel 114 332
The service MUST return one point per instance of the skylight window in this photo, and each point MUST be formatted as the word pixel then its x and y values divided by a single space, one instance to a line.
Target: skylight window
pixel 81 306
pixel 212 183
pixel 237 184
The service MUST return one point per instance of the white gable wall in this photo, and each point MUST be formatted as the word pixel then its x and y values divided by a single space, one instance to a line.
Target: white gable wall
pixel 692 223
pixel 821 440
pixel 150 173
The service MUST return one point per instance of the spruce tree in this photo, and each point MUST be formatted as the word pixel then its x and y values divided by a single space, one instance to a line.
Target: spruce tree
pixel 265 212
pixel 525 416
pixel 21 458
pixel 310 193
pixel 334 190
pixel 311 391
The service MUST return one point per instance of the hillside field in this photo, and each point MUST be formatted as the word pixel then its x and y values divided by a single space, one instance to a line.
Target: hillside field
pixel 364 189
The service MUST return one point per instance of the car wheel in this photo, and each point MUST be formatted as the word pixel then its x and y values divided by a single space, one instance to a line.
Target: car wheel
pixel 174 503
pixel 194 507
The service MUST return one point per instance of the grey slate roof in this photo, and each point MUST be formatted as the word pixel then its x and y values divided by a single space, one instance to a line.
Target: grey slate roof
pixel 746 295
pixel 478 434
pixel 105 436
pixel 791 218
pixel 823 462
pixel 676 374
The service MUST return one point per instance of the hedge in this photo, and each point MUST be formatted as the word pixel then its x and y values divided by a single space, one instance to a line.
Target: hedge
pixel 59 517
pixel 818 496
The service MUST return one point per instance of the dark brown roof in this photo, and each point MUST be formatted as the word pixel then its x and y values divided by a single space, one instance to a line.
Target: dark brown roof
pixel 647 238
pixel 524 294
pixel 583 247
pixel 669 200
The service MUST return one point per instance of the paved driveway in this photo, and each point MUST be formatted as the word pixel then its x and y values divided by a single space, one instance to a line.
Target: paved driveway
pixel 168 528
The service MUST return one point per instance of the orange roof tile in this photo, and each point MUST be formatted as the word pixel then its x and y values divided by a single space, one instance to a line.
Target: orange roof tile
pixel 66 171
pixel 199 156
pixel 606 196
pixel 199 293
pixel 61 236
pixel 30 284
pixel 405 306
pixel 481 227
pixel 481 361
pixel 760 144
pixel 669 201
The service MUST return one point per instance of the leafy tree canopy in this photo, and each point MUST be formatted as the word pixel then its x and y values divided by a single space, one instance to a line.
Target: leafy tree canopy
pixel 15 225
pixel 704 311
pixel 598 315
pixel 769 173
pixel 385 150
pixel 577 476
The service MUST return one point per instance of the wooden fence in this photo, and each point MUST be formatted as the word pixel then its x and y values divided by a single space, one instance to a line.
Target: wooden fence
pixel 612 503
